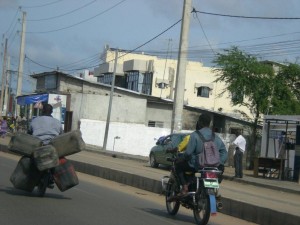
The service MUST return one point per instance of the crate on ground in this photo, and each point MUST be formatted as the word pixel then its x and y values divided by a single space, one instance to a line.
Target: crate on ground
pixel 25 176
pixel 65 175
pixel 24 144
pixel 68 143
pixel 45 157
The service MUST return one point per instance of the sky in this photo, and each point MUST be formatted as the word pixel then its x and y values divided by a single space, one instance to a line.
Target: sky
pixel 71 34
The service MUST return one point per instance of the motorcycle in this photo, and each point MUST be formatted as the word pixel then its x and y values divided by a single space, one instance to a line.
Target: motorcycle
pixel 202 197
pixel 46 181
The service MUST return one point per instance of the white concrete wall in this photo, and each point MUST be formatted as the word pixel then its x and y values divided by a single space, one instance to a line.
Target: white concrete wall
pixel 135 139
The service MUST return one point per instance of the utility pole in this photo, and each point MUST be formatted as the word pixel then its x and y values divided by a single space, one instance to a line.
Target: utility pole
pixel 176 125
pixel 7 72
pixel 21 60
pixel 3 77
pixel 110 101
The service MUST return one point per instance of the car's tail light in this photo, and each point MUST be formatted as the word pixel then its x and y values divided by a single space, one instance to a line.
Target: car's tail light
pixel 210 175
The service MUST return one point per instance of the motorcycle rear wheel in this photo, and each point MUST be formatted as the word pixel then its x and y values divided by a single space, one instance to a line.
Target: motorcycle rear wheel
pixel 42 185
pixel 172 190
pixel 202 212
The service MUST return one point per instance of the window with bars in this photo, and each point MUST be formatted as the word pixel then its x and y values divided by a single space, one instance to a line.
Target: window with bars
pixel 105 79
pixel 147 84
pixel 139 82
pixel 203 92
pixel 133 80
pixel 152 123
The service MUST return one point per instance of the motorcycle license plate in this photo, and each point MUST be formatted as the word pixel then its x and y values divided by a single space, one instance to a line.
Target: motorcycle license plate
pixel 211 183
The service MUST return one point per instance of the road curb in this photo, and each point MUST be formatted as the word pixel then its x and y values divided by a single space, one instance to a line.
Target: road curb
pixel 238 209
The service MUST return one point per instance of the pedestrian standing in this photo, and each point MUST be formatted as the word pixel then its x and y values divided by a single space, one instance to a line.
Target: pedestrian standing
pixel 240 147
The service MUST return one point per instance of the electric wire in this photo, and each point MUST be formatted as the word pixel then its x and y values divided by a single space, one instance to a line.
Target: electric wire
pixel 247 17
pixel 83 21
pixel 150 39
pixel 8 29
pixel 67 13
pixel 47 67
pixel 12 41
pixel 127 52
pixel 275 51
pixel 195 14
pixel 13 29
pixel 39 6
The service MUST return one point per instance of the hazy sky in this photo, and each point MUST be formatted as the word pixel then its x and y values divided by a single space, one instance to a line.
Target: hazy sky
pixel 71 34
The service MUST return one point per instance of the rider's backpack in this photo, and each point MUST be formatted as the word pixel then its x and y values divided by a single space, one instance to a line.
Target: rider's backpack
pixel 210 155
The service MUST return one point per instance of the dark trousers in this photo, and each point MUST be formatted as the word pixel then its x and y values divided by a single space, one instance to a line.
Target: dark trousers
pixel 238 163
pixel 181 167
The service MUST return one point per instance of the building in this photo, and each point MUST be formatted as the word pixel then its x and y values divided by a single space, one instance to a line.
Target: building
pixel 155 76
pixel 135 117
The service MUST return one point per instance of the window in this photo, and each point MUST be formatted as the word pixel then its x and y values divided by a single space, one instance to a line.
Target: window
pixel 50 82
pixel 106 79
pixel 147 84
pixel 203 92
pixel 139 82
pixel 133 80
pixel 155 124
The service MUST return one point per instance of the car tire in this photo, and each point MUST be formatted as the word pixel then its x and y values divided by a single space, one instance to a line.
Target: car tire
pixel 152 161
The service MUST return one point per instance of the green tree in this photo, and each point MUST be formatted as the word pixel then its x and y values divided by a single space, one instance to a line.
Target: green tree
pixel 286 91
pixel 249 81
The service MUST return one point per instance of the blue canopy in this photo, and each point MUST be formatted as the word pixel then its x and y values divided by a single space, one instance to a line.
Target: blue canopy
pixel 31 99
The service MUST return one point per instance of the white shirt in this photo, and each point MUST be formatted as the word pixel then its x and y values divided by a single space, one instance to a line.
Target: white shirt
pixel 240 141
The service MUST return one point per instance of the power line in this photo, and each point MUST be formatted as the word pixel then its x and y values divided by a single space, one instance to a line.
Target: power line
pixel 47 67
pixel 246 17
pixel 67 13
pixel 83 21
pixel 204 34
pixel 127 52
pixel 38 6
pixel 18 10
pixel 152 38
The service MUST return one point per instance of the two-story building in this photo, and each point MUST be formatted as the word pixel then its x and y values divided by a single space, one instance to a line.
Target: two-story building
pixel 155 76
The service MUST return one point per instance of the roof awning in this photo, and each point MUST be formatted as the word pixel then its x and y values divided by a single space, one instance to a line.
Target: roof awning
pixel 31 99
pixel 209 85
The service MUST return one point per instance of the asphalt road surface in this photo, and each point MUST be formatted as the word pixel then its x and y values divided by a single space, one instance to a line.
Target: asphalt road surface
pixel 94 201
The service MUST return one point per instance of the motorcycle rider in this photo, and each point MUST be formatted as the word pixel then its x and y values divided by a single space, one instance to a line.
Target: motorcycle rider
pixel 188 163
pixel 45 127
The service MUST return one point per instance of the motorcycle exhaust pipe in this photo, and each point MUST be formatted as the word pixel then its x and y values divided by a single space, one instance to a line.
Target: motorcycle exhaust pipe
pixel 219 205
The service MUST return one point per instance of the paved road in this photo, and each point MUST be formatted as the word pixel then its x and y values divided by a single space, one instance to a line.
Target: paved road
pixel 263 201
pixel 94 201
pixel 244 200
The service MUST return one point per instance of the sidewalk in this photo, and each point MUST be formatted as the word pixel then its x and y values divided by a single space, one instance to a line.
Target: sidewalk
pixel 259 200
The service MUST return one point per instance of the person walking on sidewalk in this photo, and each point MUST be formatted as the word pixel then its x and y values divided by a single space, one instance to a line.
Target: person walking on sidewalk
pixel 240 147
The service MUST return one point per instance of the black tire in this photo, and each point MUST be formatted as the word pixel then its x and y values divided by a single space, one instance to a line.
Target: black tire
pixel 172 190
pixel 152 161
pixel 202 212
pixel 42 185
